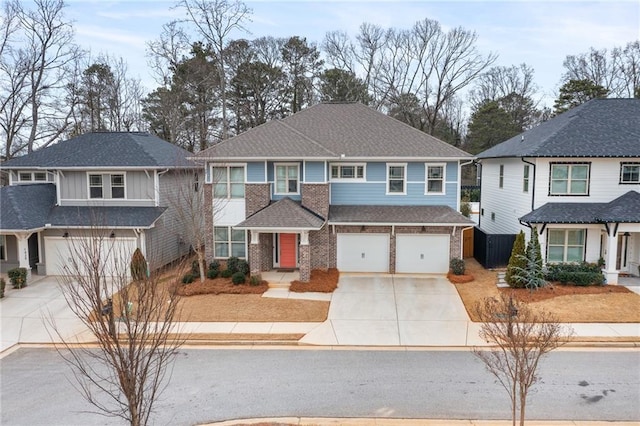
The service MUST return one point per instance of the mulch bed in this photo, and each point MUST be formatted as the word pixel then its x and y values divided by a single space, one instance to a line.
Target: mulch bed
pixel 552 290
pixel 321 281
pixel 460 279
pixel 219 286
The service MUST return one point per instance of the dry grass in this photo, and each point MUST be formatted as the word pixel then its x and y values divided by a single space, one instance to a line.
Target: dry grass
pixel 320 281
pixel 219 286
pixel 615 304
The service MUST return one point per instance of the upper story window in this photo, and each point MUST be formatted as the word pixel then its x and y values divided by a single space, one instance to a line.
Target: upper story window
pixel 501 176
pixel 347 171
pixel 287 178
pixel 32 177
pixel 99 189
pixel 396 178
pixel 435 178
pixel 228 181
pixel 630 173
pixel 565 245
pixel 525 179
pixel 569 179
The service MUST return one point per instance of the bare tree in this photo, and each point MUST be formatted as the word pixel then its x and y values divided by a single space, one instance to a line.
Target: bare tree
pixel 520 337
pixel 132 323
pixel 214 21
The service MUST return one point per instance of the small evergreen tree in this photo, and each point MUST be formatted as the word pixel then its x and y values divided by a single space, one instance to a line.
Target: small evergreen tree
pixel 516 260
pixel 531 276
pixel 138 266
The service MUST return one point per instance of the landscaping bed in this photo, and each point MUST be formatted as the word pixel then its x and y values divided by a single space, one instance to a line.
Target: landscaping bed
pixel 219 286
pixel 321 281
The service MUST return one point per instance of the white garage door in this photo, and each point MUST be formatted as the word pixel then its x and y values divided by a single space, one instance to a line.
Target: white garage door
pixel 363 252
pixel 58 251
pixel 422 254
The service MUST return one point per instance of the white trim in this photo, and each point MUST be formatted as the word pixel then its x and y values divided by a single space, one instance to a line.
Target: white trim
pixel 275 178
pixel 156 188
pixel 404 178
pixel 227 166
pixel 428 224
pixel 230 241
pixel 283 230
pixel 353 179
pixel 336 158
pixel 443 179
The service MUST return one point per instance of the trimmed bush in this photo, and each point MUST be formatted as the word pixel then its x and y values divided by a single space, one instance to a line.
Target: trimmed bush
pixel 227 273
pixel 188 278
pixel 238 278
pixel 212 273
pixel 581 274
pixel 517 261
pixel 232 264
pixel 465 208
pixel 138 266
pixel 195 267
pixel 457 266
pixel 3 284
pixel 243 266
pixel 255 280
pixel 214 265
pixel 18 277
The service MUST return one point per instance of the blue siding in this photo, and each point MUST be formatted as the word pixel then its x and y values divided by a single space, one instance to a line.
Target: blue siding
pixel 314 171
pixel 376 172
pixel 452 171
pixel 255 172
pixel 271 171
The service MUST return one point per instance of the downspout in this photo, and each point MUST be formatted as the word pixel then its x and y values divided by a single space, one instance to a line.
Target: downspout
pixel 479 164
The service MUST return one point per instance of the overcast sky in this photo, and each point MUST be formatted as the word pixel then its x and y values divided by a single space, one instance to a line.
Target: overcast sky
pixel 539 33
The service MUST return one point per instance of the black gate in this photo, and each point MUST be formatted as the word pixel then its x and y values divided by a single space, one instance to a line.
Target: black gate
pixel 492 250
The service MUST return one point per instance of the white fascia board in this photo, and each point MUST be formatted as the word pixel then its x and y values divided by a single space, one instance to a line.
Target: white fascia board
pixel 278 230
pixel 429 224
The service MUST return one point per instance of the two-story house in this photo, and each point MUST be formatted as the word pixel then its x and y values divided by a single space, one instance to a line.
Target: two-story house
pixel 335 185
pixel 115 182
pixel 576 178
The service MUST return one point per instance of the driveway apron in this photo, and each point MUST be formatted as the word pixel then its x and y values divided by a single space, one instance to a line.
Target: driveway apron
pixel 392 310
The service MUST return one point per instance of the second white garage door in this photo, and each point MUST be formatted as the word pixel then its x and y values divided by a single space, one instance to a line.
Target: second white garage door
pixel 58 252
pixel 363 252
pixel 422 254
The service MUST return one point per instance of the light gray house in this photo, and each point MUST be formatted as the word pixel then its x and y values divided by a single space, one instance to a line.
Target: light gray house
pixel 335 185
pixel 115 182
pixel 576 178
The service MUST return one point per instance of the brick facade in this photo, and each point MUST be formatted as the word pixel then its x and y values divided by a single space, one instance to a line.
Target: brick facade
pixel 304 262
pixel 257 196
pixel 315 197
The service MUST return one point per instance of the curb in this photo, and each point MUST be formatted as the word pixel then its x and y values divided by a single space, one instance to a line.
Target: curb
pixel 378 421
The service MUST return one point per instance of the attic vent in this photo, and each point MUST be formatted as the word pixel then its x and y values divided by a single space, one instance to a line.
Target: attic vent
pixel 522 138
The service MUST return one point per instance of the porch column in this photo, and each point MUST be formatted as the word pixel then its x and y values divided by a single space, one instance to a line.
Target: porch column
pixel 23 251
pixel 611 273
pixel 255 259
pixel 304 257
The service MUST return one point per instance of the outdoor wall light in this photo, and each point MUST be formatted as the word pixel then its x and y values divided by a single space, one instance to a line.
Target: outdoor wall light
pixel 113 235
pixel 65 235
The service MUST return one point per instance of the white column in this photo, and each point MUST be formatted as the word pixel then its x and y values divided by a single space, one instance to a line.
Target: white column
pixel 304 238
pixel 611 273
pixel 23 251
pixel 255 237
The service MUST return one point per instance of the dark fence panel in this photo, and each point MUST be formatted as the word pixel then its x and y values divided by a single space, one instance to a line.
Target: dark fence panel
pixel 492 250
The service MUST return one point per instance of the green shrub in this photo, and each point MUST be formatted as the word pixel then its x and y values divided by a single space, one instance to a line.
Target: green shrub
pixel 465 208
pixel 214 265
pixel 212 273
pixel 243 266
pixel 457 266
pixel 3 284
pixel 581 274
pixel 516 260
pixel 18 277
pixel 138 266
pixel 238 278
pixel 232 264
pixel 195 267
pixel 255 280
pixel 227 273
pixel 188 278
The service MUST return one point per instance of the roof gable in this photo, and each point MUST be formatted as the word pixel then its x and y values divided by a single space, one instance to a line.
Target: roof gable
pixel 334 130
pixel 597 128
pixel 25 207
pixel 105 149
pixel 284 213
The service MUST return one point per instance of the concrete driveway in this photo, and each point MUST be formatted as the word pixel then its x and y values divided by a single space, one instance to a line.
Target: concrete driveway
pixel 24 314
pixel 392 310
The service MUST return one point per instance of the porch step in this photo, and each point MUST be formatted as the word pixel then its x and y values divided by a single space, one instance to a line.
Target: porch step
pixel 501 282
pixel 279 285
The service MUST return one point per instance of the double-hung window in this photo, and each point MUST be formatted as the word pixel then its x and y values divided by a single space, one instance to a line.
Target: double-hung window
pixel 98 185
pixel 525 179
pixel 117 186
pixel 565 245
pixel 396 178
pixel 95 186
pixel 287 179
pixel 229 242
pixel 569 179
pixel 347 171
pixel 435 179
pixel 228 182
pixel 630 173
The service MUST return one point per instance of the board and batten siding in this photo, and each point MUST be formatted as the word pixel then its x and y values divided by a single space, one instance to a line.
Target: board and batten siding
pixel 139 187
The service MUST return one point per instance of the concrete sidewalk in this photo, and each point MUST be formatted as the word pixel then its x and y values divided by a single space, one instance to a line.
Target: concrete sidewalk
pixel 378 421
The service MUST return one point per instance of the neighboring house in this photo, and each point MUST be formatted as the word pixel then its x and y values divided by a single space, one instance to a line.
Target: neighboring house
pixel 335 185
pixel 576 178
pixel 114 182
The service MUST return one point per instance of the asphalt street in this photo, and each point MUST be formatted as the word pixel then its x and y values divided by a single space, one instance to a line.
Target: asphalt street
pixel 220 384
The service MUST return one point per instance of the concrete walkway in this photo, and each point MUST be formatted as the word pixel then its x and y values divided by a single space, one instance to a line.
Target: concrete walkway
pixel 378 421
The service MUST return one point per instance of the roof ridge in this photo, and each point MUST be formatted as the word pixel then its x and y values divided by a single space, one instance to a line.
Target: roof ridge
pixel 307 137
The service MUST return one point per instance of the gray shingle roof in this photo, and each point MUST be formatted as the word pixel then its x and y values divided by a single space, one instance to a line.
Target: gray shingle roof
pixel 109 217
pixel 284 213
pixel 624 209
pixel 105 149
pixel 24 207
pixel 597 128
pixel 423 215
pixel 329 130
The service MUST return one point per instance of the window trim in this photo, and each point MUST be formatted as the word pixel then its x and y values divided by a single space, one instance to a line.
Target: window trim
pixel 404 179
pixel 443 179
pixel 275 178
pixel 501 176
pixel 89 186
pixel 526 178
pixel 347 179
pixel 32 176
pixel 210 180
pixel 229 242
pixel 570 164
pixel 622 166
pixel 565 245
pixel 104 176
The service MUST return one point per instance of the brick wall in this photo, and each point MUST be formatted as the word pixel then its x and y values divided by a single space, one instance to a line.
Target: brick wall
pixel 257 196
pixel 266 251
pixel 319 245
pixel 315 197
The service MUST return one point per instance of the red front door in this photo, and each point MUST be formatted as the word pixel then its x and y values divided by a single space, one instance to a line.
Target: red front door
pixel 288 250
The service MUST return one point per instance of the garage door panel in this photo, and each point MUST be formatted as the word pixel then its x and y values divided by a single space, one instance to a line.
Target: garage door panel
pixel 363 252
pixel 59 251
pixel 423 254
